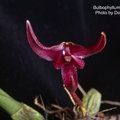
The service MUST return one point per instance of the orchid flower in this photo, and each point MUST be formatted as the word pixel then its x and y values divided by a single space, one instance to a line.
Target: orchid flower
pixel 66 56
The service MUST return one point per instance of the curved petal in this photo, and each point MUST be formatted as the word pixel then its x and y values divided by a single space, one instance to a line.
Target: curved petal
pixel 78 62
pixel 48 53
pixel 83 52
pixel 69 76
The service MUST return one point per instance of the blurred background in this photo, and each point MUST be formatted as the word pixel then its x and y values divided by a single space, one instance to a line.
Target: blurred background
pixel 25 75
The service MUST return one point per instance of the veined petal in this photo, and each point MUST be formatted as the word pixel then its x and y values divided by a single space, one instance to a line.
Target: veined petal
pixel 70 78
pixel 83 52
pixel 48 53
pixel 78 62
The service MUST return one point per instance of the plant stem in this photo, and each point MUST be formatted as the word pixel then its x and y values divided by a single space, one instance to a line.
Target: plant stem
pixel 18 110
pixel 82 90
pixel 8 103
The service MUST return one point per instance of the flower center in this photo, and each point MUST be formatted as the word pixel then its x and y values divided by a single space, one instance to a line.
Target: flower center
pixel 67 58
pixel 66 52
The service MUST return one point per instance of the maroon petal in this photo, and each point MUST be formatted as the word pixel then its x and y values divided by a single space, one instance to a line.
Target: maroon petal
pixel 83 52
pixel 78 62
pixel 59 61
pixel 70 78
pixel 48 53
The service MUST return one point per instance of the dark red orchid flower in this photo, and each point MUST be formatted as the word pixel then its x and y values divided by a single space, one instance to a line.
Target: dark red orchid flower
pixel 66 56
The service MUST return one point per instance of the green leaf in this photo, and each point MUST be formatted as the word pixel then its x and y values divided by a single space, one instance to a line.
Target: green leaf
pixel 18 110
pixel 8 103
pixel 27 113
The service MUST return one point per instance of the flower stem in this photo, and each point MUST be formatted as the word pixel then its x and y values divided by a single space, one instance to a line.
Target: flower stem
pixel 81 90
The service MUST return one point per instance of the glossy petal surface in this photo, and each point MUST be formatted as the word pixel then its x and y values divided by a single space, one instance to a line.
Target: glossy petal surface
pixel 78 62
pixel 59 61
pixel 48 53
pixel 70 78
pixel 85 51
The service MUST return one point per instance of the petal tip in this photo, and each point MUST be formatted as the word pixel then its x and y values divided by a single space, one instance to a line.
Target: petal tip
pixel 104 37
pixel 27 22
pixel 103 33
